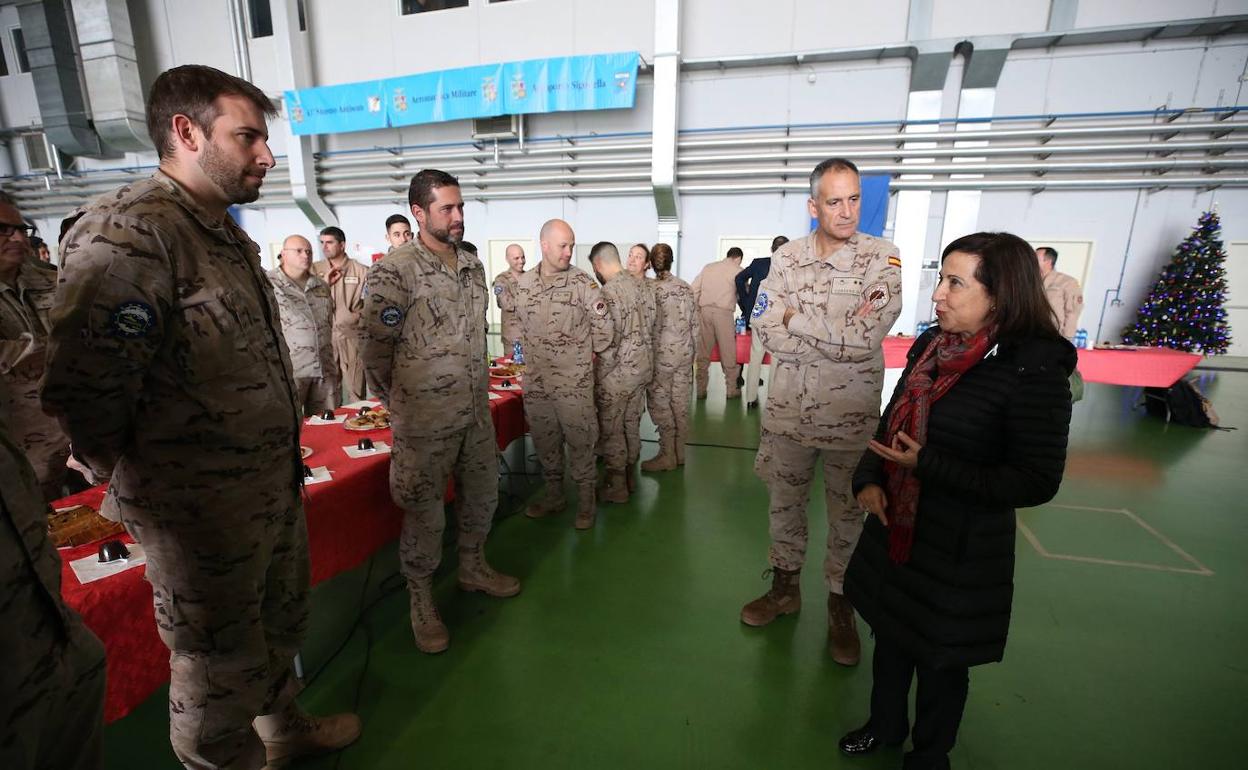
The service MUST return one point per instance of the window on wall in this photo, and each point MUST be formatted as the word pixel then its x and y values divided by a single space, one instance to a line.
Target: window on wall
pixel 408 7
pixel 260 16
pixel 4 63
pixel 19 49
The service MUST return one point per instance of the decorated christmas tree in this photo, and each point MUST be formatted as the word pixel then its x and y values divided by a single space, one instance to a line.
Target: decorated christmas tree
pixel 1185 309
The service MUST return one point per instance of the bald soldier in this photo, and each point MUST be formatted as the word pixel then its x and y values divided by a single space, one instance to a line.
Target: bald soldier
pixel 167 368
pixel 52 712
pixel 345 277
pixel 715 291
pixel 676 331
pixel 622 370
pixel 307 315
pixel 563 322
pixel 26 292
pixel 424 356
pixel 1062 291
pixel 822 312
pixel 505 283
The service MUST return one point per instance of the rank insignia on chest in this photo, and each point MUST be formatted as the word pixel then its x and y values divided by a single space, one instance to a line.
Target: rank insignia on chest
pixel 391 316
pixel 133 319
pixel 760 305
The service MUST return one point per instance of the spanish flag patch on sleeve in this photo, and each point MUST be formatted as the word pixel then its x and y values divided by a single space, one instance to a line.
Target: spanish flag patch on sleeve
pixel 894 260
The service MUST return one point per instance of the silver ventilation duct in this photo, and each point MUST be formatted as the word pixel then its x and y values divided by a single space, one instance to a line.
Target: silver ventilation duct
pixel 110 68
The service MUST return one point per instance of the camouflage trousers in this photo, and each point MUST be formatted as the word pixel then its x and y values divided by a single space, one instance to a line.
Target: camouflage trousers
pixel 788 468
pixel 52 712
pixel 420 468
pixel 554 420
pixel 231 606
pixel 48 460
pixel 717 329
pixel 316 394
pixel 350 365
pixel 619 425
pixel 667 399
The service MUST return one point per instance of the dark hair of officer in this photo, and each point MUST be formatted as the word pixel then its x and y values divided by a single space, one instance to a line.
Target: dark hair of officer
pixel 336 233
pixel 831 164
pixel 192 90
pixel 395 219
pixel 735 253
pixel 777 242
pixel 420 191
pixel 1050 253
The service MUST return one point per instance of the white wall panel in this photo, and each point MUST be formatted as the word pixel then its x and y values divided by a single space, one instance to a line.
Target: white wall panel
pixel 738 27
pixel 967 18
pixel 1114 13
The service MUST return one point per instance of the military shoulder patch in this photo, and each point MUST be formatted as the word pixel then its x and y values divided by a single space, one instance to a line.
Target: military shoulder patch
pixel 876 295
pixel 133 319
pixel 391 316
pixel 760 305
pixel 498 290
pixel 600 307
pixel 894 260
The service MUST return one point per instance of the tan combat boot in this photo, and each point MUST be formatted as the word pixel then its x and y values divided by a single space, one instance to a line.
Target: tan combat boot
pixel 586 511
pixel 476 574
pixel 680 453
pixel 784 598
pixel 293 734
pixel 665 460
pixel 427 626
pixel 552 501
pixel 615 490
pixel 843 643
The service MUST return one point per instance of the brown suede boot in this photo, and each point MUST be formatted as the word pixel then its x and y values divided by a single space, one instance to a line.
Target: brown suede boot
pixel 551 502
pixel 665 460
pixel 843 643
pixel 784 598
pixel 476 574
pixel 427 626
pixel 293 734
pixel 586 510
pixel 615 490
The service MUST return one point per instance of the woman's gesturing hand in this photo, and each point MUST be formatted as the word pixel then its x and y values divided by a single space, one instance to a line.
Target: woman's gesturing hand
pixel 874 501
pixel 904 451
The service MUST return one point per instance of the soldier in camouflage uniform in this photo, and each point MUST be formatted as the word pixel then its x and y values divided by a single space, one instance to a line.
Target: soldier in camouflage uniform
pixel 677 328
pixel 504 283
pixel 168 371
pixel 623 370
pixel 563 322
pixel 424 355
pixel 26 291
pixel 822 312
pixel 52 678
pixel 307 311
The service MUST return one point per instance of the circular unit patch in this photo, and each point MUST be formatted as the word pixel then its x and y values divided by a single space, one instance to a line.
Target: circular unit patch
pixel 133 319
pixel 391 316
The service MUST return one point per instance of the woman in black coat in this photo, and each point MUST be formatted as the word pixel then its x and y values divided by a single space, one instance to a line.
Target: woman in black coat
pixel 976 428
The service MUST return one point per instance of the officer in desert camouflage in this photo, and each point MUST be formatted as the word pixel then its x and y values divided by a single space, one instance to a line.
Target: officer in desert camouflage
pixel 307 313
pixel 505 282
pixel 677 327
pixel 563 322
pixel 623 369
pixel 26 292
pixel 822 312
pixel 423 349
pixel 167 368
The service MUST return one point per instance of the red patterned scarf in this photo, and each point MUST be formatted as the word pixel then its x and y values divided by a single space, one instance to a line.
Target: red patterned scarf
pixel 946 358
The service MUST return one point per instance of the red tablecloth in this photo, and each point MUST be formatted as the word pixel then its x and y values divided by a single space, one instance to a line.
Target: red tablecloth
pixel 743 350
pixel 119 608
pixel 1142 367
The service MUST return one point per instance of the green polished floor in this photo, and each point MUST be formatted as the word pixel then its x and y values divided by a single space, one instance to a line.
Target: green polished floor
pixel 624 649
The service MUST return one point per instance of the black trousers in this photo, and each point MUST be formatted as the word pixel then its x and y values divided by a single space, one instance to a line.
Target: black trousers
pixel 938 705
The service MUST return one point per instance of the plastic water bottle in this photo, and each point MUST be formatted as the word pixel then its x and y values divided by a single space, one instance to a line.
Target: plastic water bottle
pixel 1081 338
pixel 921 327
pixel 517 353
pixel 741 326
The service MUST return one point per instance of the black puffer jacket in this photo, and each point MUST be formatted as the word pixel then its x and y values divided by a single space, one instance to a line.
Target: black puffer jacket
pixel 996 441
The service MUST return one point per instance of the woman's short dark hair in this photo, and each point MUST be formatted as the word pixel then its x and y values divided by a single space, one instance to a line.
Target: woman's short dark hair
pixel 192 90
pixel 420 191
pixel 1009 273
pixel 661 257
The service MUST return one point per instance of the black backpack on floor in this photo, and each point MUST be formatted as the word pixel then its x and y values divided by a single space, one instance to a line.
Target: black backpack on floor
pixel 1181 403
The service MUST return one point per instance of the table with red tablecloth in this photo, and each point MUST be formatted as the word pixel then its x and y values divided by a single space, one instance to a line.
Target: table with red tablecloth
pixel 1140 367
pixel 743 350
pixel 349 519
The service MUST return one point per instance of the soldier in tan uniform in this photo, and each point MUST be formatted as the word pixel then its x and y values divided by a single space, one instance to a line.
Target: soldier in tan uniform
pixel 505 283
pixel 398 231
pixel 622 370
pixel 715 291
pixel 52 676
pixel 677 328
pixel 26 292
pixel 563 322
pixel 307 313
pixel 167 368
pixel 1063 292
pixel 424 355
pixel 638 260
pixel 822 312
pixel 345 277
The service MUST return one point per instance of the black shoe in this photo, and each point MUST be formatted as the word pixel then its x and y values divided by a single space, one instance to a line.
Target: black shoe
pixel 863 741
pixel 752 405
pixel 740 381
